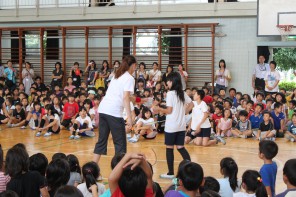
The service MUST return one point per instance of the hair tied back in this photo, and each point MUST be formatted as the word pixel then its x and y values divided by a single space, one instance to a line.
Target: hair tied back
pixel 259 179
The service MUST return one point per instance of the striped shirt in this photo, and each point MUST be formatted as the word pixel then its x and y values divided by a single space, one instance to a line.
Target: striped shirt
pixel 3 181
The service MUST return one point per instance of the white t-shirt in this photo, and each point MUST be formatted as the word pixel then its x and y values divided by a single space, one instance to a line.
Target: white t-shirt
pixel 85 191
pixel 57 117
pixel 242 194
pixel 175 121
pixel 149 122
pixel 272 78
pixel 225 189
pixel 155 74
pixel 183 79
pixel 82 120
pixel 198 114
pixel 112 103
pixel 261 70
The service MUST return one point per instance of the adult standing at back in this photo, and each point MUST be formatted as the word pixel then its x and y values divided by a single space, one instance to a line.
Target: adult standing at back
pixel 183 74
pixel 154 76
pixel 259 73
pixel 28 75
pixel 222 77
pixel 111 109
pixel 57 75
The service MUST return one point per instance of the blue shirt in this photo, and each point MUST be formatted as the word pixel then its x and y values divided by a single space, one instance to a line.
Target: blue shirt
pixel 268 173
pixel 10 74
pixel 256 120
pixel 292 129
pixel 277 120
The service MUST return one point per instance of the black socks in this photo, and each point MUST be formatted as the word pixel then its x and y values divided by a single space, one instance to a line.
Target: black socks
pixel 184 153
pixel 170 160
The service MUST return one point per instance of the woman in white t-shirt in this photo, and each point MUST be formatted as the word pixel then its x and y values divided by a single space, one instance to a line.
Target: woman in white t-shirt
pixel 154 76
pixel 111 109
pixel 222 77
pixel 200 123
pixel 145 126
pixel 184 75
pixel 175 124
pixel 272 79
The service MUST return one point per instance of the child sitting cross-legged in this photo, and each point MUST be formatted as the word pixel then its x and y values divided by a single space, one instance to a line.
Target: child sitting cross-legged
pixel 243 126
pixel 291 133
pixel 266 130
pixel 82 126
pixel 131 177
pixel 18 117
pixel 225 124
pixel 145 126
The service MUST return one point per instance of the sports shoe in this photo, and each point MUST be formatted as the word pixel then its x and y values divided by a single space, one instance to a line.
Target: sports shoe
pixel 272 138
pixel 23 127
pixel 77 137
pixel 135 138
pixel 38 134
pixel 47 134
pixel 33 128
pixel 128 136
pixel 220 139
pixel 9 125
pixel 222 135
pixel 242 136
pixel 71 137
pixel 166 176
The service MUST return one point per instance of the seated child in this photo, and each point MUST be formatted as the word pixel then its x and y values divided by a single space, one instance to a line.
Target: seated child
pixel 161 119
pixel 278 119
pixel 131 172
pixel 18 117
pixel 190 178
pixel 225 124
pixel 39 163
pixel 211 184
pixel 252 185
pixel 256 118
pixel 243 127
pixel 266 130
pixel 269 103
pixel 91 172
pixel 70 110
pixel 267 151
pixel 249 108
pixel 291 133
pixel 4 179
pixel 145 126
pixel 34 117
pixel 50 122
pixel 82 126
pixel 217 116
pixel 289 177
pixel 291 111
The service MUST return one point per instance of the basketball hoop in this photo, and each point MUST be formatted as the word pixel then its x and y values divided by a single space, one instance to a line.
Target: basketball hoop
pixel 285 31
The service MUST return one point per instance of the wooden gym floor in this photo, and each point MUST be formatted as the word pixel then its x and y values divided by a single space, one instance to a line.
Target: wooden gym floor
pixel 245 152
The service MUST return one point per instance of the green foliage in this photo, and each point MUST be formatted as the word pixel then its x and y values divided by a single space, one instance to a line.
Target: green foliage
pixel 289 86
pixel 285 58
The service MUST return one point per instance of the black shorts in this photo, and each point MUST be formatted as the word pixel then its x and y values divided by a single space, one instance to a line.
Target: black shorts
pixel 188 134
pixel 2 117
pixel 57 131
pixel 204 132
pixel 66 122
pixel 176 138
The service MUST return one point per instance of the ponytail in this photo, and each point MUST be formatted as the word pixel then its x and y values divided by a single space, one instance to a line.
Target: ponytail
pixel 253 182
pixel 91 172
pixel 230 169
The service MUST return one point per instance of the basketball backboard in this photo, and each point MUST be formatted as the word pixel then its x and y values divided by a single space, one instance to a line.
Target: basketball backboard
pixel 275 12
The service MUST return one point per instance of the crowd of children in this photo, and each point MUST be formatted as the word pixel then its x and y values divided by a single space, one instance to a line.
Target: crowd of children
pixel 211 118
pixel 34 176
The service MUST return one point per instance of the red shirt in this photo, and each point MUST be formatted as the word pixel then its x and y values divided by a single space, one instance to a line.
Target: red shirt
pixel 118 193
pixel 216 118
pixel 70 110
pixel 208 99
pixel 250 113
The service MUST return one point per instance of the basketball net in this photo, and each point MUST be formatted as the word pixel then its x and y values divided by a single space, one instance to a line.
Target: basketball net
pixel 285 31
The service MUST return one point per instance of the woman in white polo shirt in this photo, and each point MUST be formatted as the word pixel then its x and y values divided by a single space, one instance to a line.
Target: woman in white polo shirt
pixel 175 125
pixel 111 109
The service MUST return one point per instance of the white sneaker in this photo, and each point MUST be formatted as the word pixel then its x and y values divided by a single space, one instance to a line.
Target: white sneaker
pixel 128 136
pixel 220 139
pixel 9 125
pixel 77 137
pixel 71 137
pixel 47 134
pixel 23 127
pixel 33 128
pixel 166 176
pixel 134 139
pixel 38 134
